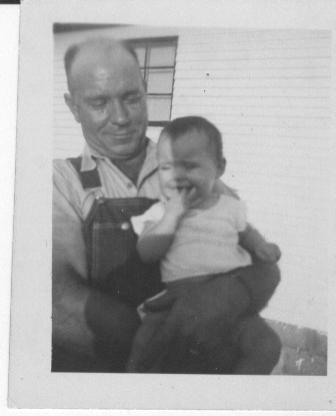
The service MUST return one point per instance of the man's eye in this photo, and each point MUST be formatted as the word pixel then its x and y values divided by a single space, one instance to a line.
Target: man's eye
pixel 98 103
pixel 132 98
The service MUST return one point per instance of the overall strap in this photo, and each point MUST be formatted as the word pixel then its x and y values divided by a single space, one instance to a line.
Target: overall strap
pixel 90 178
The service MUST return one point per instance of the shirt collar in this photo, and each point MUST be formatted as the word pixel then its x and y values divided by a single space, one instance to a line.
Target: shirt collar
pixel 150 164
pixel 89 157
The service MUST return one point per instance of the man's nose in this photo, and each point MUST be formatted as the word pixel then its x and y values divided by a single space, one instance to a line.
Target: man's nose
pixel 118 113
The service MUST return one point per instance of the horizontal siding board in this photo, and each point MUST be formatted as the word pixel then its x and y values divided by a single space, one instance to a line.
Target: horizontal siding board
pixel 248 99
pixel 270 130
pixel 257 92
pixel 205 55
pixel 210 104
pixel 209 90
pixel 270 121
pixel 247 83
pixel 258 63
pixel 241 34
pixel 202 44
pixel 248 35
pixel 243 72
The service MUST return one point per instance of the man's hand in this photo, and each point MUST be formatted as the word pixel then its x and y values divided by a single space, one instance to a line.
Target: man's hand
pixel 268 253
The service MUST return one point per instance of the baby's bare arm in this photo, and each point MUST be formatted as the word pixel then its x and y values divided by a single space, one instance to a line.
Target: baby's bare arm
pixel 257 246
pixel 250 238
pixel 156 239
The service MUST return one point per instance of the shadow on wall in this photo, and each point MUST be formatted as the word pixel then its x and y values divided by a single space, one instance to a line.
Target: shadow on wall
pixel 304 350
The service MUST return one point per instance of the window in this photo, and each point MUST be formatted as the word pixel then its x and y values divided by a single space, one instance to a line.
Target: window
pixel 157 62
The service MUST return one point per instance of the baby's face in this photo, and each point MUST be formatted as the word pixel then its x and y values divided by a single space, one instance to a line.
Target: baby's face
pixel 186 164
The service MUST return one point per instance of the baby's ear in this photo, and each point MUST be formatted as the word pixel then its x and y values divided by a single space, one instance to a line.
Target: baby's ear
pixel 221 166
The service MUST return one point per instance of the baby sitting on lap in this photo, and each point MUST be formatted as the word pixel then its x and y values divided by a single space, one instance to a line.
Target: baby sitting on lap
pixel 197 233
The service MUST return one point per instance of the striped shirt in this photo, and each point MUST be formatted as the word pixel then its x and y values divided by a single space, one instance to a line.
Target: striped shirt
pixel 72 203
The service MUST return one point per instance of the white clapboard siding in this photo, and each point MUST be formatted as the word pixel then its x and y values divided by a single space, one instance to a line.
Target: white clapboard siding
pixel 268 91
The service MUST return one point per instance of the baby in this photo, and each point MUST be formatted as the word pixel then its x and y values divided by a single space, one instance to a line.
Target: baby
pixel 197 231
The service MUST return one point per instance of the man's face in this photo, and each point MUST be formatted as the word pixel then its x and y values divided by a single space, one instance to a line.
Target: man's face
pixel 108 100
pixel 186 164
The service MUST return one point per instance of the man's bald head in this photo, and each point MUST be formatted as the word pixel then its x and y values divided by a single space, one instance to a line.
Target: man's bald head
pixel 96 49
pixel 107 96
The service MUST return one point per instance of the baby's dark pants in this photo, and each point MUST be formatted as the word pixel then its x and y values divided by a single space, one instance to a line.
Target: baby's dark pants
pixel 249 347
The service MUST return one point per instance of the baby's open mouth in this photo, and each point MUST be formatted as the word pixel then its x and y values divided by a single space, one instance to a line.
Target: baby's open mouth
pixel 186 188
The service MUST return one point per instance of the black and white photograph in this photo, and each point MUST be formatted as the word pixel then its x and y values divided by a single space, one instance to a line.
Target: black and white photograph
pixel 180 231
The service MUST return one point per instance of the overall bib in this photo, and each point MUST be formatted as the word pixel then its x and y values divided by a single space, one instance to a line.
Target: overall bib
pixel 114 265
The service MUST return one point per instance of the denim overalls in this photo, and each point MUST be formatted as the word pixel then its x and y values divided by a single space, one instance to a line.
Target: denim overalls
pixel 113 262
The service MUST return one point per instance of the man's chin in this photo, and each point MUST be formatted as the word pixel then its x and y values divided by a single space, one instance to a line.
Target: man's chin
pixel 123 152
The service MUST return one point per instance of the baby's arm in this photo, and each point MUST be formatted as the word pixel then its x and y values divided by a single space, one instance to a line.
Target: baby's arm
pixel 257 246
pixel 154 243
pixel 250 238
pixel 156 238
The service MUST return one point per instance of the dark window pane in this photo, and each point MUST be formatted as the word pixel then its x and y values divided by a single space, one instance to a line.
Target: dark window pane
pixel 162 55
pixel 160 81
pixel 158 108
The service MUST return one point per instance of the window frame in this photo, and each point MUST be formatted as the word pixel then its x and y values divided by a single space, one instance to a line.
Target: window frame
pixel 147 43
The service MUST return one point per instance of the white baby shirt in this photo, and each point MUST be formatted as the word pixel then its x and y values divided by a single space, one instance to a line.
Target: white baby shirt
pixel 205 242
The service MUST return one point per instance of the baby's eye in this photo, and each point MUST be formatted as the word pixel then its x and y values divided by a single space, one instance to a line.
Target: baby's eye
pixel 164 167
pixel 190 166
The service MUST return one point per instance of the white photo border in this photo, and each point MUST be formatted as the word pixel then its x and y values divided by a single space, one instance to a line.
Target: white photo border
pixel 31 382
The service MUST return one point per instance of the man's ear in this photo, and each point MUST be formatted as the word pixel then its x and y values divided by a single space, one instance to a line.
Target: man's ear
pixel 72 105
pixel 221 167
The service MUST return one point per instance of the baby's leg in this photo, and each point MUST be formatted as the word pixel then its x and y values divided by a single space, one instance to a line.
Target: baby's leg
pixel 150 324
pixel 259 347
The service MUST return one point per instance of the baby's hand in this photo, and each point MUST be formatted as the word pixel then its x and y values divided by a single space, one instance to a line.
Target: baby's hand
pixel 268 253
pixel 178 204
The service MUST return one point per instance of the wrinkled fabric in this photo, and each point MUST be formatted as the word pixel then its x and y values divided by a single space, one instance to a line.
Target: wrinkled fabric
pixel 190 328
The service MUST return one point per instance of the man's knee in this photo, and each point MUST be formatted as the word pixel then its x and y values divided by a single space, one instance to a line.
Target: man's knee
pixel 270 348
pixel 114 325
pixel 270 273
pixel 260 281
pixel 260 341
pixel 111 320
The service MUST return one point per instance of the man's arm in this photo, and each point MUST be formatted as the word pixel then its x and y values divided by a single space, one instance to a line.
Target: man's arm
pixel 83 317
pixel 69 292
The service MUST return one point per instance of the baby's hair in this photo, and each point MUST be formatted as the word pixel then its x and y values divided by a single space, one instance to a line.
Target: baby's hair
pixel 182 125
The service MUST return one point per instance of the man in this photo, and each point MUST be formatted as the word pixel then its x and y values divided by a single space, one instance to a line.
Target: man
pixel 97 277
